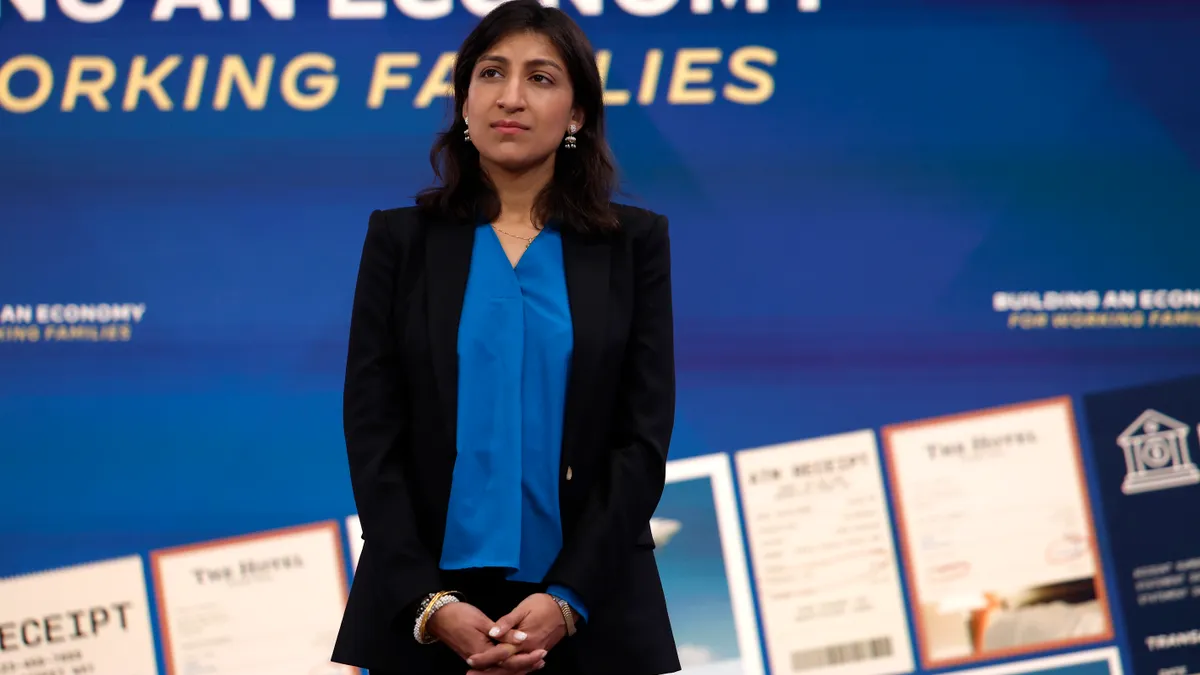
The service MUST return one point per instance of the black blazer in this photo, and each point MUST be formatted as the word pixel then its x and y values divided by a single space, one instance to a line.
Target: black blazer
pixel 400 406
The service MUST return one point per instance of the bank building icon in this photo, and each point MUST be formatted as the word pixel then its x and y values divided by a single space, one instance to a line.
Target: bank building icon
pixel 1156 454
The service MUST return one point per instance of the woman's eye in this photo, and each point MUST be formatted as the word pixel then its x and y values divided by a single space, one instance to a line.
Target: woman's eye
pixel 541 79
pixel 489 72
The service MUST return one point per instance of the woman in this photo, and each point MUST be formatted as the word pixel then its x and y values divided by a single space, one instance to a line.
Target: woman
pixel 510 392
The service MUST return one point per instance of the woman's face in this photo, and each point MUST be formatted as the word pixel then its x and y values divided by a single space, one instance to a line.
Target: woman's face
pixel 520 103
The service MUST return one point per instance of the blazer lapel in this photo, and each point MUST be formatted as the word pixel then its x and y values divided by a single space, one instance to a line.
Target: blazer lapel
pixel 447 264
pixel 586 261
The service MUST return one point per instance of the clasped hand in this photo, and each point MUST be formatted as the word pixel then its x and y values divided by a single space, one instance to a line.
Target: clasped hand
pixel 515 644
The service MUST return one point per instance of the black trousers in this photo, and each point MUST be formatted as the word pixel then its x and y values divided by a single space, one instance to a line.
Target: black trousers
pixel 495 596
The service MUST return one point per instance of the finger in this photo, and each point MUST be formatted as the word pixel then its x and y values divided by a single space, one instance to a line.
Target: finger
pixel 513 637
pixel 524 662
pixel 500 670
pixel 505 624
pixel 492 656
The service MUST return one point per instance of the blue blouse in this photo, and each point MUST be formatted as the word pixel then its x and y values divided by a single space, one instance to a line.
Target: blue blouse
pixel 515 339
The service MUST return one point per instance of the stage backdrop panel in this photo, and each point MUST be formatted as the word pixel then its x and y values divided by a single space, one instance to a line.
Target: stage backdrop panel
pixel 997 534
pixel 880 211
pixel 262 604
pixel 1093 662
pixel 1145 444
pixel 89 618
pixel 702 561
pixel 825 566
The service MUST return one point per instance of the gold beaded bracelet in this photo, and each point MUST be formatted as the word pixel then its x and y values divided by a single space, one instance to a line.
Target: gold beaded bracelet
pixel 432 603
pixel 567 613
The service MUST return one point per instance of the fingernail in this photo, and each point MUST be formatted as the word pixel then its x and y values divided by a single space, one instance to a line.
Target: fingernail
pixel 541 654
pixel 519 636
pixel 471 662
pixel 494 632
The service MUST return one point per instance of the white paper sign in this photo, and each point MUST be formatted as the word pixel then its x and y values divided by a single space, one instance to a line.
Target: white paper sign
pixel 265 604
pixel 824 561
pixel 997 532
pixel 91 619
pixel 354 537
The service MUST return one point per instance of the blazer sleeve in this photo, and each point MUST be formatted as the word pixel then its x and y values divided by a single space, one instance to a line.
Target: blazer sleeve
pixel 374 422
pixel 622 502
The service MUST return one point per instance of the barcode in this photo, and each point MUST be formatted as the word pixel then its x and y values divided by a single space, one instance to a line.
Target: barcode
pixel 834 655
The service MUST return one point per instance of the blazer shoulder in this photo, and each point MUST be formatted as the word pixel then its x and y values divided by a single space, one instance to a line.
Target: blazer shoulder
pixel 638 222
pixel 401 225
pixel 400 217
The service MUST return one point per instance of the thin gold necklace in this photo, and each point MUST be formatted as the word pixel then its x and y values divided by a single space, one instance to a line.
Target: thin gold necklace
pixel 528 240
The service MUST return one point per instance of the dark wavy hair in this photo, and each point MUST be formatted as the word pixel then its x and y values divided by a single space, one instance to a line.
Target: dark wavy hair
pixel 580 193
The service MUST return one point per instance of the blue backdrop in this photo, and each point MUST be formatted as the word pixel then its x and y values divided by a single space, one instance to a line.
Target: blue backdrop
pixel 847 194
